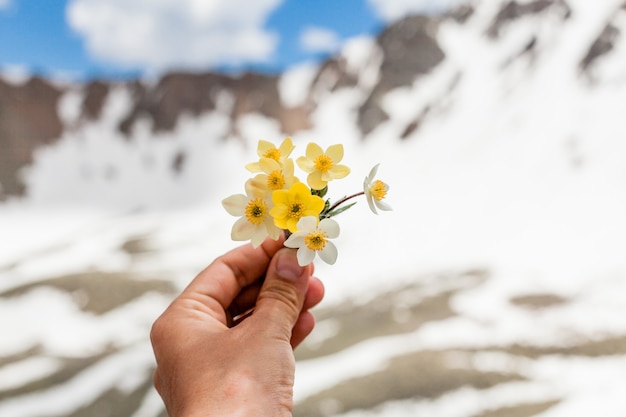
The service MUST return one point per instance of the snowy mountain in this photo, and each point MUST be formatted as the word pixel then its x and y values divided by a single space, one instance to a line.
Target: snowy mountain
pixel 415 73
pixel 498 292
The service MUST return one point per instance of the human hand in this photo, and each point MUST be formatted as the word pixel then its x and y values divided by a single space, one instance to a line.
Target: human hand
pixel 206 366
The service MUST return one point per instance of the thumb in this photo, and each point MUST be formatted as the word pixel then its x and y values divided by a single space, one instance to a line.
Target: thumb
pixel 282 295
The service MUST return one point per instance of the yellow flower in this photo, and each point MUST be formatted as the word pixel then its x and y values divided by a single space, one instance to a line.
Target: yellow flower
pixel 375 191
pixel 274 177
pixel 312 238
pixel 255 222
pixel 322 166
pixel 291 205
pixel 267 149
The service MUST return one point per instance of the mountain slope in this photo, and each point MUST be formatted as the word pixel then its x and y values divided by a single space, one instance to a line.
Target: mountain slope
pixel 490 47
pixel 494 288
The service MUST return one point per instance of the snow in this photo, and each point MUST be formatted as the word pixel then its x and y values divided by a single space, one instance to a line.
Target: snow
pixel 295 83
pixel 65 330
pixel 70 106
pixel 519 170
pixel 363 58
pixel 120 369
pixel 575 378
pixel 22 372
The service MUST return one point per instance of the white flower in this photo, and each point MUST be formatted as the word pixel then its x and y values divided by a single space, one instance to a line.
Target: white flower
pixel 255 222
pixel 375 191
pixel 312 237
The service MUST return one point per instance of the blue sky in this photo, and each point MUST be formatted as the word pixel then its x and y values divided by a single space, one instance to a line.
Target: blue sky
pixel 127 38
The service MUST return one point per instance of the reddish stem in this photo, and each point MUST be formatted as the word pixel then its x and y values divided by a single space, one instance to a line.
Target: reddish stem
pixel 343 200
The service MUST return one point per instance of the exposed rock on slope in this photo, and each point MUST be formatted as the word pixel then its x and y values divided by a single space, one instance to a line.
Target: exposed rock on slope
pixel 28 119
pixel 29 112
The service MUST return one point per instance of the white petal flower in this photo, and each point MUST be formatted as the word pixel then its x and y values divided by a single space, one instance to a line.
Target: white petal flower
pixel 313 237
pixel 375 191
pixel 255 222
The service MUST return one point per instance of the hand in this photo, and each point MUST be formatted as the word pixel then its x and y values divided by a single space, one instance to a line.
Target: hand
pixel 206 365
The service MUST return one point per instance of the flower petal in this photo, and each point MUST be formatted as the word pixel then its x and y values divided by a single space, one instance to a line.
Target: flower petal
pixel 315 181
pixel 305 256
pixel 281 222
pixel 305 164
pixel 300 192
pixel 242 230
pixel 339 171
pixel 236 204
pixel 307 224
pixel 279 211
pixel 330 226
pixel 335 152
pixel 258 236
pixel 288 167
pixel 280 197
pixel 313 150
pixel 370 201
pixel 372 174
pixel 289 181
pixel 263 147
pixel 329 253
pixel 257 186
pixel 270 227
pixel 296 240
pixel 253 167
pixel 315 206
pixel 383 206
pixel 291 224
pixel 268 165
pixel 286 147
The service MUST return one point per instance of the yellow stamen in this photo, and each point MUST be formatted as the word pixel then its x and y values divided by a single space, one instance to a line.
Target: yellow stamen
pixel 316 240
pixel 295 209
pixel 276 180
pixel 256 210
pixel 272 153
pixel 323 163
pixel 378 190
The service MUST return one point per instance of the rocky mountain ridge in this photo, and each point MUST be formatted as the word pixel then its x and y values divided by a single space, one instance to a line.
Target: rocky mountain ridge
pixel 404 51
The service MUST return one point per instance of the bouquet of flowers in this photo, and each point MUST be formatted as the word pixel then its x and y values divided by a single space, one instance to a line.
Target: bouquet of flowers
pixel 276 201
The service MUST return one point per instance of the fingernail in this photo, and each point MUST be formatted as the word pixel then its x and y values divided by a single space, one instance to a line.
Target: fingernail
pixel 287 266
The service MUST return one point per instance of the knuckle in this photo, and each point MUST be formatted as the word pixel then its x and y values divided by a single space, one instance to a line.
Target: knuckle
pixel 289 300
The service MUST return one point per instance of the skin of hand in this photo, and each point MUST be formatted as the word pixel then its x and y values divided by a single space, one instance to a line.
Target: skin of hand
pixel 206 365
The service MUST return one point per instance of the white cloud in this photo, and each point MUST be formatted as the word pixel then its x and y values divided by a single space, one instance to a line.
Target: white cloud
pixel 390 10
pixel 161 34
pixel 317 39
pixel 4 4
pixel 15 74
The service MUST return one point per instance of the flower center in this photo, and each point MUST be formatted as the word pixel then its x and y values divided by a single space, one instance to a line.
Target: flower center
pixel 378 190
pixel 256 210
pixel 316 240
pixel 272 153
pixel 323 163
pixel 276 180
pixel 295 209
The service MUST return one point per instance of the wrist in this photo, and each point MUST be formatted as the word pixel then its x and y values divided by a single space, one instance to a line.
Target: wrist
pixel 238 411
pixel 233 402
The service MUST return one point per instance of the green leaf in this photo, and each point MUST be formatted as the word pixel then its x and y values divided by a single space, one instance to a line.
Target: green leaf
pixel 339 210
pixel 325 209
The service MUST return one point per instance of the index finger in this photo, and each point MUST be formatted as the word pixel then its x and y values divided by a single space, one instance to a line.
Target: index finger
pixel 224 279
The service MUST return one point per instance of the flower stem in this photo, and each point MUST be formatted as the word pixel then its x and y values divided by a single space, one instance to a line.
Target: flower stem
pixel 343 200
